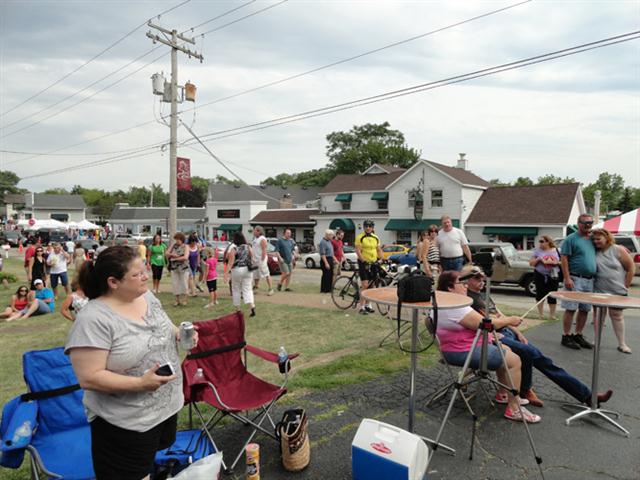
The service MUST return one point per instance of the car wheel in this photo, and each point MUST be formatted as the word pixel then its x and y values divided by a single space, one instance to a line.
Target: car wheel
pixel 529 286
pixel 309 263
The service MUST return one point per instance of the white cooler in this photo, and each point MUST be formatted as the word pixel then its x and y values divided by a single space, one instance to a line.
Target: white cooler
pixel 383 452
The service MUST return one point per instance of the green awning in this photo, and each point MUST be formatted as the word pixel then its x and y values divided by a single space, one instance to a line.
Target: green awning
pixel 342 223
pixel 380 196
pixel 571 229
pixel 343 197
pixel 230 227
pixel 399 224
pixel 510 231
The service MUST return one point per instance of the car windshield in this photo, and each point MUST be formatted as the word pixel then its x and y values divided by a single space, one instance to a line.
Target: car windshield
pixel 509 252
pixel 348 249
pixel 270 248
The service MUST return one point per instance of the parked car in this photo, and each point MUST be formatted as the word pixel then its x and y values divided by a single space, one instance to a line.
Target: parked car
pixel 220 246
pixel 272 260
pixel 388 250
pixel 13 237
pixel 406 258
pixel 507 268
pixel 350 262
pixel 630 242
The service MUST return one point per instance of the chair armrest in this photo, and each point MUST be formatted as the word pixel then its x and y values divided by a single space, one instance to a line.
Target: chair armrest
pixel 14 414
pixel 266 355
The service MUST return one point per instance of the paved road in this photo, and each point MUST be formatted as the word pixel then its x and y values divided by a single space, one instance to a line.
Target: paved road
pixel 586 450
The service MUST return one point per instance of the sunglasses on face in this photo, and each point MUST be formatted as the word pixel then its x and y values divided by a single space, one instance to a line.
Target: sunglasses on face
pixel 587 223
pixel 542 241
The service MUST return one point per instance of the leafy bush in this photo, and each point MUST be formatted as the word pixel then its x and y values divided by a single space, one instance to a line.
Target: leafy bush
pixel 9 277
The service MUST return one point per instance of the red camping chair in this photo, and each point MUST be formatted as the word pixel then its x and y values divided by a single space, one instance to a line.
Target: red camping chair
pixel 227 385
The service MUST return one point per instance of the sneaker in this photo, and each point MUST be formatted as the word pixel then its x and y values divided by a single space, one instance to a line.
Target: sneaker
pixel 199 288
pixel 216 302
pixel 271 292
pixel 208 305
pixel 522 412
pixel 363 311
pixel 288 290
pixel 279 287
pixel 369 308
pixel 533 399
pixel 253 312
pixel 501 397
pixel 582 342
pixel 569 342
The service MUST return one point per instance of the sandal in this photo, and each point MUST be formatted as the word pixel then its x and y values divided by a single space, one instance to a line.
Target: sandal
pixel 523 412
pixel 624 349
pixel 501 397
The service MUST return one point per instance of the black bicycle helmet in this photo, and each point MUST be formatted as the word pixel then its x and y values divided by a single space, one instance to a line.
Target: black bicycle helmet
pixel 368 223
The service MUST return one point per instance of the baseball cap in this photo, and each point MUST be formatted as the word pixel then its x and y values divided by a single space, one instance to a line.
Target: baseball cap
pixel 469 271
pixel 37 281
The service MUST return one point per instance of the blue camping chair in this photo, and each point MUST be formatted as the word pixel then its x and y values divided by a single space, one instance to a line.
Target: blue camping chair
pixel 60 441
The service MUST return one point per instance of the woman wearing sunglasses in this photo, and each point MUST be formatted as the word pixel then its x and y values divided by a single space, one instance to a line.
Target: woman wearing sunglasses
pixel 37 267
pixel 19 303
pixel 546 263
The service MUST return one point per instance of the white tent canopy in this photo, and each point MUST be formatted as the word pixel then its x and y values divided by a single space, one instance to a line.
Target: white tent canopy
pixel 47 224
pixel 86 225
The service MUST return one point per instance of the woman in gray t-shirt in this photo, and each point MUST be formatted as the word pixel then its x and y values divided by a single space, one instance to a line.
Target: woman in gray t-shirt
pixel 117 343
pixel 615 270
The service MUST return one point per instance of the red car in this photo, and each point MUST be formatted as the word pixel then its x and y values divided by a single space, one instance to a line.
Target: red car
pixel 272 260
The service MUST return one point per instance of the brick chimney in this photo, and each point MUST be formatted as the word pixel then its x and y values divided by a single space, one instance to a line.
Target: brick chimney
pixel 286 201
pixel 463 163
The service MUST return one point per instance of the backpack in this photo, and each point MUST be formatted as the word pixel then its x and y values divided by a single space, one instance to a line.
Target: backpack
pixel 413 288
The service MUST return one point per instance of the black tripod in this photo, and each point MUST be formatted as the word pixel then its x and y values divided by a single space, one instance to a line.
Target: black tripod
pixel 482 373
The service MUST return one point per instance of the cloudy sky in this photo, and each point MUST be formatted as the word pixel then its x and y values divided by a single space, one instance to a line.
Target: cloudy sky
pixel 574 116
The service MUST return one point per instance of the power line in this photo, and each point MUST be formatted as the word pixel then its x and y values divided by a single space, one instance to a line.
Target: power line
pixel 243 18
pixel 308 72
pixel 219 16
pixel 64 77
pixel 401 92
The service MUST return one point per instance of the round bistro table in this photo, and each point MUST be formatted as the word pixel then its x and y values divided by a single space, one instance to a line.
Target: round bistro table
pixel 600 302
pixel 444 300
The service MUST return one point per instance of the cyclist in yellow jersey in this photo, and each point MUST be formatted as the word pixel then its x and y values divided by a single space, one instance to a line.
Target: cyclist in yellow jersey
pixel 368 250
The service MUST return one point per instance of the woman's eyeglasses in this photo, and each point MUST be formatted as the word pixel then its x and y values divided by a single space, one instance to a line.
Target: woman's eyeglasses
pixel 542 241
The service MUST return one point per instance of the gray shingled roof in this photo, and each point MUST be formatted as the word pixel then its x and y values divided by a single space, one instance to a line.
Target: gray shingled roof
pixel 361 183
pixel 537 205
pixel 155 213
pixel 231 193
pixel 48 201
pixel 460 174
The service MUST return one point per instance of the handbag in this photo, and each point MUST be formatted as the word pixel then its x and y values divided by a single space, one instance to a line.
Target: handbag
pixel 559 276
pixel 292 431
pixel 414 288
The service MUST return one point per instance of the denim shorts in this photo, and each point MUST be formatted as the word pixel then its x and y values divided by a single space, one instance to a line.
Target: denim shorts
pixel 494 359
pixel 62 277
pixel 579 285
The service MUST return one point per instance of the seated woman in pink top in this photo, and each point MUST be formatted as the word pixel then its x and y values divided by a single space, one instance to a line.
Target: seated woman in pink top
pixel 456 330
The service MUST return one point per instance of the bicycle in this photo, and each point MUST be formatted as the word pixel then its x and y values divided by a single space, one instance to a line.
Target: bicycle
pixel 346 289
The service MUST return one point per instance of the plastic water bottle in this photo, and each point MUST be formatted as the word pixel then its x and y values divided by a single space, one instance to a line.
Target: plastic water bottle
pixel 22 432
pixel 283 359
pixel 198 377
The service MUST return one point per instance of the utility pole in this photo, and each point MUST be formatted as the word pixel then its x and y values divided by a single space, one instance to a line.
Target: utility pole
pixel 171 38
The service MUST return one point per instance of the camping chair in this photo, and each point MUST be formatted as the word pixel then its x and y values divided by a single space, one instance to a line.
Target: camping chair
pixel 453 378
pixel 227 385
pixel 59 443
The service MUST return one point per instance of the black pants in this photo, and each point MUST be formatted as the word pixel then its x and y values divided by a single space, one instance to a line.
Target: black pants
pixel 544 285
pixel 120 454
pixel 327 275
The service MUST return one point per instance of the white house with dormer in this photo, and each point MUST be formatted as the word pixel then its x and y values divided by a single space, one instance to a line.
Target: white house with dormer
pixel 388 196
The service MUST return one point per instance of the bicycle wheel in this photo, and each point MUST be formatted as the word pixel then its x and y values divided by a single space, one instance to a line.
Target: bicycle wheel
pixel 382 309
pixel 345 292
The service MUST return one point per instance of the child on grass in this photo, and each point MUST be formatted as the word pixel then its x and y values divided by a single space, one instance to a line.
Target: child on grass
pixel 211 275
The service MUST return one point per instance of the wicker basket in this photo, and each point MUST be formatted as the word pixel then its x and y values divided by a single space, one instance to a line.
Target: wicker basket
pixel 294 440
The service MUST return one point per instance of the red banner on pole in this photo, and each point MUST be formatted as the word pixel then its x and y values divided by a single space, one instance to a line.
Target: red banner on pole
pixel 183 173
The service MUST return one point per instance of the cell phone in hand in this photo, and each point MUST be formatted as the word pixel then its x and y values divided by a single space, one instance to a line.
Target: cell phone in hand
pixel 165 370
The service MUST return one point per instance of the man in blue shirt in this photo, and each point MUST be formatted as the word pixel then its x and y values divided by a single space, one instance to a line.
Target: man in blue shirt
pixel 285 249
pixel 42 302
pixel 578 261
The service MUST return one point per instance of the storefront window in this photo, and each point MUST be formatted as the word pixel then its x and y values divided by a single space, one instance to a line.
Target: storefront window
pixel 404 237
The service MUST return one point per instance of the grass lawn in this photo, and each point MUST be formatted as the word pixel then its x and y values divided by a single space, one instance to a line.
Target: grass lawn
pixel 337 347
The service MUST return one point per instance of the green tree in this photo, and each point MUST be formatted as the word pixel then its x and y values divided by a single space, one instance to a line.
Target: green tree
pixel 9 182
pixel 56 191
pixel 611 186
pixel 317 177
pixel 523 182
pixel 226 180
pixel 362 146
pixel 197 196
pixel 626 202
pixel 496 182
pixel 551 179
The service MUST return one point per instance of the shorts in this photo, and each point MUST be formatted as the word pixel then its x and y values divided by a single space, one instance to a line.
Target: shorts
pixel 262 271
pixel 125 454
pixel 212 285
pixel 579 285
pixel 494 359
pixel 285 267
pixel 62 277
pixel 156 272
pixel 364 270
pixel 43 308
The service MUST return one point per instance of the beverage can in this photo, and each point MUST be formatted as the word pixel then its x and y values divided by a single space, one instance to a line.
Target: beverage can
pixel 253 461
pixel 187 332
